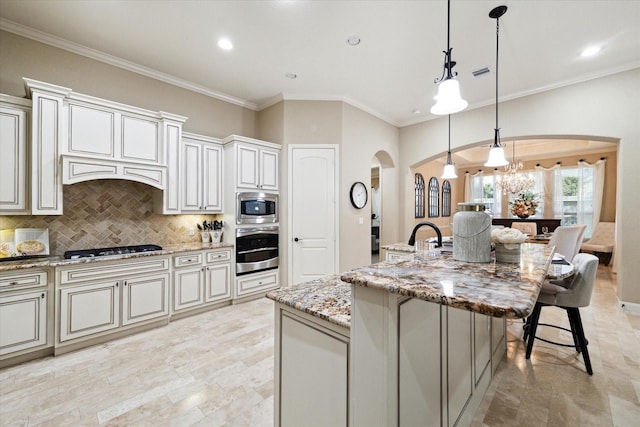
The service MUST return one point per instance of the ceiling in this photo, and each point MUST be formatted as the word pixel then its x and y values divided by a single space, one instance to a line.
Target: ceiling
pixel 390 73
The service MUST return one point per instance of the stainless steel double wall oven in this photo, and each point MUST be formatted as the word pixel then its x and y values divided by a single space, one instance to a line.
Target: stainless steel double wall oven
pixel 257 233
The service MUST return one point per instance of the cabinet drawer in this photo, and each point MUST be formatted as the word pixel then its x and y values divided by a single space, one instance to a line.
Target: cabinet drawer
pixel 101 270
pixel 215 256
pixel 186 260
pixel 256 283
pixel 9 282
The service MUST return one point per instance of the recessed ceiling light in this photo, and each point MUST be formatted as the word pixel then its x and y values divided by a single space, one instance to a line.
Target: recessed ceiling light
pixel 353 40
pixel 590 51
pixel 225 44
pixel 291 76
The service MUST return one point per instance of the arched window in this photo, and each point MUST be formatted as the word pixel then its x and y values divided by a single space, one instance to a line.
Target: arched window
pixel 419 195
pixel 446 198
pixel 434 197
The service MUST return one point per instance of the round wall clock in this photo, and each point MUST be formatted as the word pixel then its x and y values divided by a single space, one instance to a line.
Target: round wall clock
pixel 358 195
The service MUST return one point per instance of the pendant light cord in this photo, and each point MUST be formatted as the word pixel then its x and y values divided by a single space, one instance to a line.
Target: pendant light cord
pixel 497 41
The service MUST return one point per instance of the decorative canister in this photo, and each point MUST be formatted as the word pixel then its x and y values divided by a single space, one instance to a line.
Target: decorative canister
pixel 472 233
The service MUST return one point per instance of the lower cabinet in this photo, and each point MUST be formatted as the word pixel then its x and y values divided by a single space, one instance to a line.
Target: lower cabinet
pixel 201 278
pixel 25 308
pixel 95 300
pixel 23 321
pixel 312 371
pixel 255 283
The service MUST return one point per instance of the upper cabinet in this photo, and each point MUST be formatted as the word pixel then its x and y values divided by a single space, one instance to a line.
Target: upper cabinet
pixel 201 175
pixel 47 131
pixel 14 121
pixel 255 162
pixel 111 140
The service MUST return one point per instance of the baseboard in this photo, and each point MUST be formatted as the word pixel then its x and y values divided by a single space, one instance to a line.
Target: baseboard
pixel 629 307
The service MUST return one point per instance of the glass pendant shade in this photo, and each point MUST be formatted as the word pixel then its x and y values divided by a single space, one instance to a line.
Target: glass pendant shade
pixel 496 157
pixel 449 171
pixel 448 100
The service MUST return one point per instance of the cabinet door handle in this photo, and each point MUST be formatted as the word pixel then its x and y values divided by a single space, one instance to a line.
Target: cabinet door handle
pixel 13 283
pixel 125 283
pixel 42 296
pixel 117 284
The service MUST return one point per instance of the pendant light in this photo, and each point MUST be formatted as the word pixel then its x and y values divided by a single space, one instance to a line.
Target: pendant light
pixel 496 155
pixel 448 100
pixel 449 169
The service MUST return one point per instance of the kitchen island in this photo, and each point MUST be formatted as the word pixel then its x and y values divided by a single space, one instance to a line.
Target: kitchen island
pixel 424 337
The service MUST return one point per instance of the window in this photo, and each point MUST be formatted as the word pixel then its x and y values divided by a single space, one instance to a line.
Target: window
pixel 419 195
pixel 573 201
pixel 483 191
pixel 446 198
pixel 434 197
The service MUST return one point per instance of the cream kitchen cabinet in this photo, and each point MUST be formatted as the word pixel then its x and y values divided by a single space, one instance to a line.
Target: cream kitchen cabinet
pixel 310 353
pixel 201 174
pixel 98 299
pixel 47 130
pixel 255 163
pixel 257 283
pixel 200 279
pixel 25 308
pixel 14 123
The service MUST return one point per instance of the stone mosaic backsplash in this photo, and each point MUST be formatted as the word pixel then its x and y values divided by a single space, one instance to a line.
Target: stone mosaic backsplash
pixel 105 213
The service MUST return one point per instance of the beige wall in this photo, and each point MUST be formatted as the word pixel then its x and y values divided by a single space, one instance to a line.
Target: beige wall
pixel 21 57
pixel 605 108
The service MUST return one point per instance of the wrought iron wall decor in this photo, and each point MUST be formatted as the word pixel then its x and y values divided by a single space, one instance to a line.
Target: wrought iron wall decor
pixel 419 195
pixel 446 198
pixel 434 197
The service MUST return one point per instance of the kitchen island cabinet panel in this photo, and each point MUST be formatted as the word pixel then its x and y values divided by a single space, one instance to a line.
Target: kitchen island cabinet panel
pixel 23 321
pixel 89 309
pixel 145 298
pixel 313 355
pixel 481 344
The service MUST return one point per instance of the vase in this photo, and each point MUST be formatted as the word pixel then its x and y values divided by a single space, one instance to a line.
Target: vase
pixel 509 253
pixel 523 216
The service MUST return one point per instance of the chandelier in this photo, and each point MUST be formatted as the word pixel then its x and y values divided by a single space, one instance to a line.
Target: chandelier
pixel 513 181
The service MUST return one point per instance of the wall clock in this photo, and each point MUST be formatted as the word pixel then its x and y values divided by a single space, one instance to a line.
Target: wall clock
pixel 358 195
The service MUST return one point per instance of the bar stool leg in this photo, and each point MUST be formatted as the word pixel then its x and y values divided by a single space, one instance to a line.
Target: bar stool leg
pixel 572 325
pixel 582 341
pixel 533 325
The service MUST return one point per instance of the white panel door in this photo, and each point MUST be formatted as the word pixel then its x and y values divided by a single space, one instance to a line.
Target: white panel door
pixel 212 178
pixel 13 162
pixel 23 321
pixel 313 213
pixel 145 298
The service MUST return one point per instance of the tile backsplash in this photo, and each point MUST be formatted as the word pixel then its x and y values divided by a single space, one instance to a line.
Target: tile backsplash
pixel 107 213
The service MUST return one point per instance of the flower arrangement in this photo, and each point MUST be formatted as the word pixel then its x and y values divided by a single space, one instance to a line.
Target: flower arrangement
pixel 524 205
pixel 507 236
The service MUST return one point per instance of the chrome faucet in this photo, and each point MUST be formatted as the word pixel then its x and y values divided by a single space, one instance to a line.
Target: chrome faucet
pixel 412 239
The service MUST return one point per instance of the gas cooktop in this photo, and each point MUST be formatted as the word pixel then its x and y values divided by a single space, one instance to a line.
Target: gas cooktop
pixel 116 250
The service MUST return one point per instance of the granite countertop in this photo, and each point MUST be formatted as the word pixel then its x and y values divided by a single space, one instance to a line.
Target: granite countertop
pixel 328 298
pixel 495 289
pixel 57 261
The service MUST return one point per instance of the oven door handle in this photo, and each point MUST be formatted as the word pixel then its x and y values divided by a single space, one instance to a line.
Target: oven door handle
pixel 250 251
pixel 241 232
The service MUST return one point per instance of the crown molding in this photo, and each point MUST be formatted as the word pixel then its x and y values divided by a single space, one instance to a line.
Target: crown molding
pixel 97 55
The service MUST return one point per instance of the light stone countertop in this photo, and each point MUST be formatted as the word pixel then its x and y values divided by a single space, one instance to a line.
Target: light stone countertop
pixel 57 261
pixel 328 298
pixel 493 288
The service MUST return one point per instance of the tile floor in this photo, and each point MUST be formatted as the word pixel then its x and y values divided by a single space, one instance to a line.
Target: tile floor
pixel 216 369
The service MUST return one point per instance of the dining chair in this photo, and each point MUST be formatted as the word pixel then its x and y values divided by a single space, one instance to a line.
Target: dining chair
pixel 578 294
pixel 530 228
pixel 567 240
pixel 602 241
